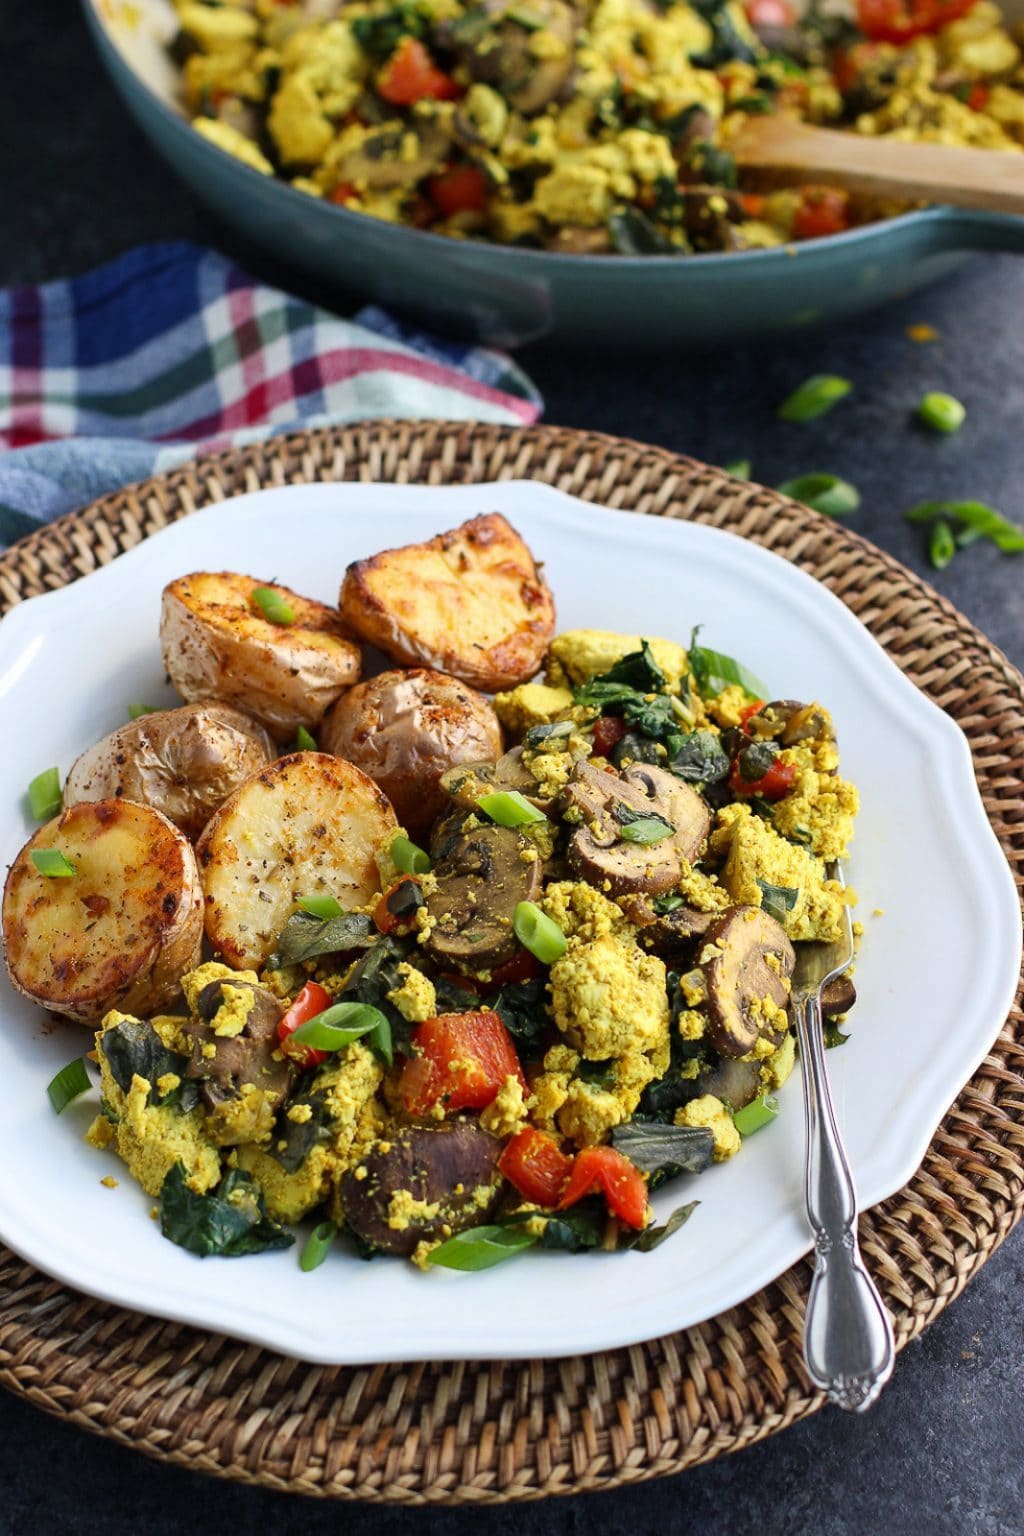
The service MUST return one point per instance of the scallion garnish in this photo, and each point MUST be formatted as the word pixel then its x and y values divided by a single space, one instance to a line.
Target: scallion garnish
pixel 941 544
pixel 538 933
pixel 408 859
pixel 823 493
pixel 646 829
pixel 272 605
pixel 738 468
pixel 136 711
pixel 44 796
pixel 756 1115
pixel 712 672
pixel 480 1247
pixel 509 808
pixel 974 520
pixel 338 1026
pixel 942 412
pixel 52 863
pixel 814 397
pixel 304 742
pixel 317 1246
pixel 320 906
pixel 70 1082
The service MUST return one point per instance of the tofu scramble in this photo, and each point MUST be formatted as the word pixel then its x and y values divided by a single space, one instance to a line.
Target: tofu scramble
pixel 575 990
pixel 598 127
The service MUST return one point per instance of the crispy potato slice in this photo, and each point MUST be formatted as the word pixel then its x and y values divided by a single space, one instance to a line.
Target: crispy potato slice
pixel 470 602
pixel 120 932
pixel 183 762
pixel 216 644
pixel 306 825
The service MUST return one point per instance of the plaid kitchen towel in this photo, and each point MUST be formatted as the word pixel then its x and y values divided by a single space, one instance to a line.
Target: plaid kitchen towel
pixel 171 351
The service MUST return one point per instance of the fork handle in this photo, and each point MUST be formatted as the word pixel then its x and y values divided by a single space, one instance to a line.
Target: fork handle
pixel 848 1339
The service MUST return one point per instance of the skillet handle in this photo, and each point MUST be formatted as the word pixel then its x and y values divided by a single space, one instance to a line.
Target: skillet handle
pixel 977 231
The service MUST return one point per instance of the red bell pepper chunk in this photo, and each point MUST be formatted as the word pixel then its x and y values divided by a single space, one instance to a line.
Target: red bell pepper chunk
pixel 522 967
pixel 536 1165
pixel 608 732
pixel 603 1171
pixel 823 211
pixel 773 785
pixel 384 914
pixel 410 75
pixel 461 1062
pixel 313 999
pixel 898 21
pixel 460 189
pixel 748 711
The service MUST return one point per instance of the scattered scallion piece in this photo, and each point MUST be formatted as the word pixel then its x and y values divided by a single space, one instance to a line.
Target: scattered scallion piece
pixel 408 858
pixel 51 862
pixel 975 520
pixel 942 412
pixel 304 742
pixel 645 830
pixel 480 1247
pixel 44 796
pixel 738 468
pixel 136 711
pixel 713 671
pixel 70 1081
pixel 814 397
pixel 272 605
pixel 338 1026
pixel 823 492
pixel 941 544
pixel 509 808
pixel 538 933
pixel 756 1115
pixel 320 906
pixel 317 1246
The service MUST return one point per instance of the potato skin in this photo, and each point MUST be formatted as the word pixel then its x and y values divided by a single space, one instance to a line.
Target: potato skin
pixel 183 762
pixel 122 931
pixel 470 602
pixel 309 824
pixel 405 729
pixel 217 645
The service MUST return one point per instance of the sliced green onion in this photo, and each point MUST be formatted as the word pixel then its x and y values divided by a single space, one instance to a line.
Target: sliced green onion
pixel 317 1246
pixel 645 830
pixel 70 1081
pixel 53 863
pixel 272 605
pixel 408 859
pixel 941 545
pixel 823 492
pixel 304 742
pixel 713 671
pixel 480 1247
pixel 756 1115
pixel 977 521
pixel 538 933
pixel 380 1040
pixel 510 809
pixel 44 796
pixel 320 906
pixel 338 1026
pixel 942 412
pixel 738 468
pixel 814 397
pixel 136 711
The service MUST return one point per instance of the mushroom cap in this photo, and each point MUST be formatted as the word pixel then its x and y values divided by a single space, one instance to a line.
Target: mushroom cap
pixel 482 877
pixel 247 1057
pixel 739 978
pixel 597 850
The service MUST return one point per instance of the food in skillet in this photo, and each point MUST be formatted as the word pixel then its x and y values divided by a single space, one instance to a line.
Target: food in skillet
pixel 602 126
pixel 573 988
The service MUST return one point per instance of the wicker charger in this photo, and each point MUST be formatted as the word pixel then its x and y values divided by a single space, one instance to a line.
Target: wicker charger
pixel 484 1432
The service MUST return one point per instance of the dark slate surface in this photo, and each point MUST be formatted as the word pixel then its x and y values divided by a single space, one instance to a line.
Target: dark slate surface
pixel 942 1451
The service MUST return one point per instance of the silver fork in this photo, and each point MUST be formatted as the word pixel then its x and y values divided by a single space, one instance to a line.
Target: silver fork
pixel 848 1340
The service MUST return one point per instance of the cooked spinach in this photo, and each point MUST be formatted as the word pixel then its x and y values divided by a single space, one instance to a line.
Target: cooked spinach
pixel 599 1074
pixel 571 1231
pixel 653 714
pixel 231 1220
pixel 713 166
pixel 642 826
pixel 699 758
pixel 306 938
pixel 634 748
pixel 521 1008
pixel 665 904
pixel 133 1048
pixel 651 1237
pixel 664 1151
pixel 777 900
pixel 727 41
pixel 661 1099
pixel 454 998
pixel 543 737
pixel 756 760
pixel 380 35
pixel 299 1137
pixel 372 978
pixel 633 234
pixel 833 1035
pixel 712 671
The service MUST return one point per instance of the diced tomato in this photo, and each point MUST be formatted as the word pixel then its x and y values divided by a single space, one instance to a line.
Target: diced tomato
pixel 342 193
pixel 396 907
pixel 773 785
pixel 848 64
pixel 313 999
pixel 522 967
pixel 752 204
pixel 460 189
pixel 608 732
pixel 536 1165
pixel 898 21
pixel 823 211
pixel 603 1171
pixel 410 75
pixel 769 13
pixel 462 1061
pixel 977 98
pixel 747 711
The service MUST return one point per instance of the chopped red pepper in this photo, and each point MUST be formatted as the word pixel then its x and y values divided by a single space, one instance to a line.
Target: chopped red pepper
pixel 747 711
pixel 313 999
pixel 769 13
pixel 397 906
pixel 773 785
pixel 752 204
pixel 462 1062
pixel 898 21
pixel 977 97
pixel 608 732
pixel 460 189
pixel 822 211
pixel 410 75
pixel 522 967
pixel 603 1171
pixel 536 1165
pixel 342 193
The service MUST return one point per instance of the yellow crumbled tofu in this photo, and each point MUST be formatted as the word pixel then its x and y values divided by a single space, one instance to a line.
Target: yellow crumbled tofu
pixel 780 1064
pixel 109 1182
pixel 579 654
pixel 235 143
pixel 531 704
pixel 582 912
pixel 151 1138
pixel 711 1112
pixel 726 708
pixel 298 126
pixel 608 997
pixel 754 851
pixel 415 997
pixel 574 194
pixel 216 27
pixel 193 982
pixel 247 1116
pixel 507 1111
pixel 100 1133
pixel 821 807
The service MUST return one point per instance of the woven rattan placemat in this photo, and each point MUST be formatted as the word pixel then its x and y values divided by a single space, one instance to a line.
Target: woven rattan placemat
pixel 478 1432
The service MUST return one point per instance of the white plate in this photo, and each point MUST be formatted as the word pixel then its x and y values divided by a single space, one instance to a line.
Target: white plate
pixel 935 980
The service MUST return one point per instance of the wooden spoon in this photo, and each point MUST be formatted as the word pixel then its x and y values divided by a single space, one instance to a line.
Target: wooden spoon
pixel 782 147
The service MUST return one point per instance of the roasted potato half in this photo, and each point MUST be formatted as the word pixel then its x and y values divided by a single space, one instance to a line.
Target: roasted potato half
pixel 217 644
pixel 118 933
pixel 307 825
pixel 407 728
pixel 470 602
pixel 184 762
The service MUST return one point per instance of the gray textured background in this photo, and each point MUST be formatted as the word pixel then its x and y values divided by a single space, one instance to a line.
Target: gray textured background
pixel 942 1452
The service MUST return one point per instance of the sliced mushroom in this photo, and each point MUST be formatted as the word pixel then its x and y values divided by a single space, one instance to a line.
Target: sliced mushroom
pixel 666 933
pixel 597 850
pixel 740 973
pixel 481 879
pixel 494 41
pixel 468 781
pixel 734 1082
pixel 838 996
pixel 787 721
pixel 420 1183
pixel 238 1061
pixel 381 160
